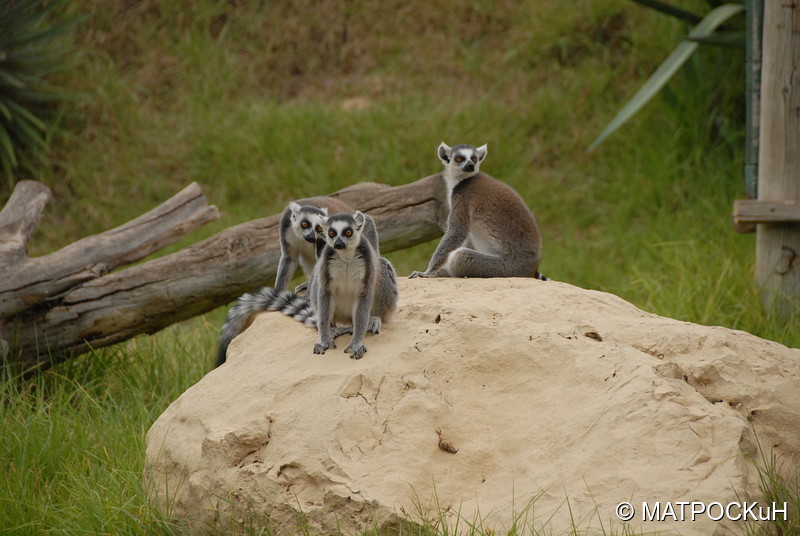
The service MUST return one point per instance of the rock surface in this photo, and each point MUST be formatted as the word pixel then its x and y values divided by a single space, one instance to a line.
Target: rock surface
pixel 550 393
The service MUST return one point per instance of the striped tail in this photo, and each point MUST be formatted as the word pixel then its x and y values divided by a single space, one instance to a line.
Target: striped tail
pixel 242 313
pixel 541 277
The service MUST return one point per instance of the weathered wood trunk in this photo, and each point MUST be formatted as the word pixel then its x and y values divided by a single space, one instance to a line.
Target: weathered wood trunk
pixel 778 244
pixel 65 303
pixel 29 282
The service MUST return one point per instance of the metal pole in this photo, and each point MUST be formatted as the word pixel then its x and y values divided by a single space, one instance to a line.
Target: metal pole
pixel 755 15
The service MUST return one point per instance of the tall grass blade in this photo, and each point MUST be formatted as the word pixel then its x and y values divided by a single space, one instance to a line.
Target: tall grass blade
pixel 668 69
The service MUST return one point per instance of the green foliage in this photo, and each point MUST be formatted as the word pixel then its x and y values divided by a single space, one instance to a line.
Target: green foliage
pixel 703 32
pixel 32 49
pixel 72 451
pixel 779 487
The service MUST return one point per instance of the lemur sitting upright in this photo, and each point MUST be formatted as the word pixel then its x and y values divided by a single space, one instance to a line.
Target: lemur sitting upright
pixel 352 284
pixel 490 232
pixel 243 312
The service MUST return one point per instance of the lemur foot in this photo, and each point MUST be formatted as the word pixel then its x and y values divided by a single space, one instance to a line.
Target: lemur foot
pixel 374 325
pixel 357 352
pixel 320 346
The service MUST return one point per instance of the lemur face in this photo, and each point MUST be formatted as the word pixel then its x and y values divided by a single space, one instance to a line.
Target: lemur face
pixel 462 161
pixel 343 231
pixel 308 222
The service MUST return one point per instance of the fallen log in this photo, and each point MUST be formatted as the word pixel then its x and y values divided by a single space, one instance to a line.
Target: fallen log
pixel 60 305
pixel 28 282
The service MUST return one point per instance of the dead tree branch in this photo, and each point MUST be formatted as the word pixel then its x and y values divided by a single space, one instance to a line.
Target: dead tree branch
pixel 67 302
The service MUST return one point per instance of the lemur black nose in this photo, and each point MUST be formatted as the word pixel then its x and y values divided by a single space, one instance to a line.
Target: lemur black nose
pixel 469 167
pixel 338 244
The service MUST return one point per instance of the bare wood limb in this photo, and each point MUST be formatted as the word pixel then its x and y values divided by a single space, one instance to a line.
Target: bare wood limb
pixel 150 296
pixel 32 280
pixel 748 212
pixel 405 215
pixel 20 217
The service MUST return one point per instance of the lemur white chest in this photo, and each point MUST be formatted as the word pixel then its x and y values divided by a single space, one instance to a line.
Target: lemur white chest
pixel 477 238
pixel 347 273
pixel 450 182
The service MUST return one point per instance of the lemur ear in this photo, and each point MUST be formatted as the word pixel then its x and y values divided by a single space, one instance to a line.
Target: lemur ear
pixel 324 211
pixel 481 151
pixel 359 219
pixel 294 208
pixel 444 153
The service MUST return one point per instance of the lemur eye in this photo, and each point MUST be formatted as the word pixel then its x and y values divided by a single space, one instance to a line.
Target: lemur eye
pixel 318 228
pixel 474 159
pixel 331 234
pixel 348 233
pixel 459 159
pixel 304 224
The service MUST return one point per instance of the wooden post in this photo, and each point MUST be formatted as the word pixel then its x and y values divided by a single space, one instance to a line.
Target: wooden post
pixel 778 244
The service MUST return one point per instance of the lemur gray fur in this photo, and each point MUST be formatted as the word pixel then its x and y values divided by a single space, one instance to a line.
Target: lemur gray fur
pixel 490 232
pixel 352 284
pixel 300 224
pixel 243 312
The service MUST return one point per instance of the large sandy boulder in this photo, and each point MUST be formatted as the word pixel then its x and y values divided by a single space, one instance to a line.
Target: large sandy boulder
pixel 573 399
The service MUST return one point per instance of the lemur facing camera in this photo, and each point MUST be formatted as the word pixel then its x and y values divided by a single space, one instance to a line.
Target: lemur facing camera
pixel 490 232
pixel 301 308
pixel 300 226
pixel 352 284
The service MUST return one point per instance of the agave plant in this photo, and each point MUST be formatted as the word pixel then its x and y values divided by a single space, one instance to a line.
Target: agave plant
pixel 702 32
pixel 31 51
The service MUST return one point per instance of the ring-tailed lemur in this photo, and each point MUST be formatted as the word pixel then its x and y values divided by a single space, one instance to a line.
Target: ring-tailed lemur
pixel 243 312
pixel 300 225
pixel 490 232
pixel 352 284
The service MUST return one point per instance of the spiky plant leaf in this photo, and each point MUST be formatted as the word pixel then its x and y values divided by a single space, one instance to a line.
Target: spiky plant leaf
pixel 669 67
pixel 31 50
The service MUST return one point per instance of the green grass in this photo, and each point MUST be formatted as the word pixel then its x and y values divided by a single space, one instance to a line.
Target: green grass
pixel 780 487
pixel 72 449
pixel 265 102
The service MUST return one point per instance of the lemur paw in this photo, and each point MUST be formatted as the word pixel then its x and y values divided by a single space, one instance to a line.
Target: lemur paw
pixel 374 325
pixel 320 347
pixel 415 274
pixel 357 352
